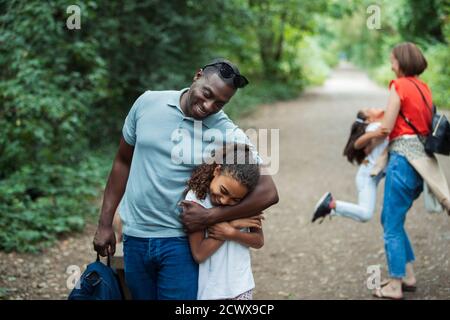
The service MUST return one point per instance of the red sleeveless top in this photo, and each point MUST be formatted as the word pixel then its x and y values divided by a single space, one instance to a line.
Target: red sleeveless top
pixel 412 106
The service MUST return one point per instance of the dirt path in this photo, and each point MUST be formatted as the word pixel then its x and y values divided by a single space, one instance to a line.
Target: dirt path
pixel 299 260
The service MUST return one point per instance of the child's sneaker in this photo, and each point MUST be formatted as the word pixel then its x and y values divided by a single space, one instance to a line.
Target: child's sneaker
pixel 323 207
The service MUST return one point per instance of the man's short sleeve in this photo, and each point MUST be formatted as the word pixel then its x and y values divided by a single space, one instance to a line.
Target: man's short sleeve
pixel 129 127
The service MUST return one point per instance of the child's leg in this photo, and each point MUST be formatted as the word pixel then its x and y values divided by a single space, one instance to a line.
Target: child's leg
pixel 367 197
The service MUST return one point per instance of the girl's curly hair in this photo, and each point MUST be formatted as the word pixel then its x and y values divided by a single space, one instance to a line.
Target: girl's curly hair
pixel 242 168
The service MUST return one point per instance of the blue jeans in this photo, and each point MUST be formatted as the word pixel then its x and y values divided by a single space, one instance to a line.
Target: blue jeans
pixel 160 268
pixel 402 186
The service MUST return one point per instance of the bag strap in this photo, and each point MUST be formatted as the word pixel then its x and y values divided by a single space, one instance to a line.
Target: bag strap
pixel 108 260
pixel 423 97
pixel 409 123
pixel 426 103
pixel 412 127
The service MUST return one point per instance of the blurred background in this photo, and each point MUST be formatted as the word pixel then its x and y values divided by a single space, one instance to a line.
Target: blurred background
pixel 64 93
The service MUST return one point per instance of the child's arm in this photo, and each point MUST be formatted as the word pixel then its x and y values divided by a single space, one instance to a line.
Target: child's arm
pixel 252 222
pixel 364 140
pixel 224 231
pixel 201 247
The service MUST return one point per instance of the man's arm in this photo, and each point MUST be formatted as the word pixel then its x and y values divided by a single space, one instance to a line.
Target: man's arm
pixel 105 240
pixel 195 217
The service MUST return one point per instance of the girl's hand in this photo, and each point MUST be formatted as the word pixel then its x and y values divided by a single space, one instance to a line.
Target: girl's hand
pixel 252 222
pixel 381 133
pixel 222 231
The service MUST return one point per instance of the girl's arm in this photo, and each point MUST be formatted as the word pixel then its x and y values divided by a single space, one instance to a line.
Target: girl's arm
pixel 252 222
pixel 364 140
pixel 202 248
pixel 224 231
pixel 371 139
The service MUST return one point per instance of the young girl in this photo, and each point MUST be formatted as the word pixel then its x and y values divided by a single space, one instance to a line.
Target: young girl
pixel 366 138
pixel 223 250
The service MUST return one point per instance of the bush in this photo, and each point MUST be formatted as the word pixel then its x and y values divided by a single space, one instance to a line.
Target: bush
pixel 39 203
pixel 437 75
pixel 64 93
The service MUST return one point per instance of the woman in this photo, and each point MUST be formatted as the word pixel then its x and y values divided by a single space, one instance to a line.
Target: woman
pixel 403 183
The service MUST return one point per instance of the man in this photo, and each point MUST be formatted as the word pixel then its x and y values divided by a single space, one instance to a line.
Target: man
pixel 149 185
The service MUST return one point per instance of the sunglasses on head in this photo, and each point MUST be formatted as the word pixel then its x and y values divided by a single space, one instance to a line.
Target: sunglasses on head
pixel 227 72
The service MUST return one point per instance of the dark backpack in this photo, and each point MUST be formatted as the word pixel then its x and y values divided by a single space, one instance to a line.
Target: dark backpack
pixel 98 282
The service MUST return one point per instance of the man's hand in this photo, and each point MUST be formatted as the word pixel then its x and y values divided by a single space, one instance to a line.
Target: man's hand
pixel 222 231
pixel 252 222
pixel 194 216
pixel 105 241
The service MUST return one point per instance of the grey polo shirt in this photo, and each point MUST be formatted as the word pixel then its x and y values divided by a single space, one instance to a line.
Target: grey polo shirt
pixel 162 137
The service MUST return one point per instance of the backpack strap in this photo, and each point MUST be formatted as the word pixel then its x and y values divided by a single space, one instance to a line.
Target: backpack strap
pixel 108 259
pixel 423 98
pixel 409 123
pixel 426 103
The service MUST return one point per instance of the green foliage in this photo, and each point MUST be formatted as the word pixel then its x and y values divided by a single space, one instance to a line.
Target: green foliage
pixel 425 23
pixel 437 74
pixel 419 20
pixel 48 81
pixel 272 23
pixel 38 203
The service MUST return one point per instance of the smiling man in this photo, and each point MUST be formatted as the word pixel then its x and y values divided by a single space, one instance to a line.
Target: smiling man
pixel 149 185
